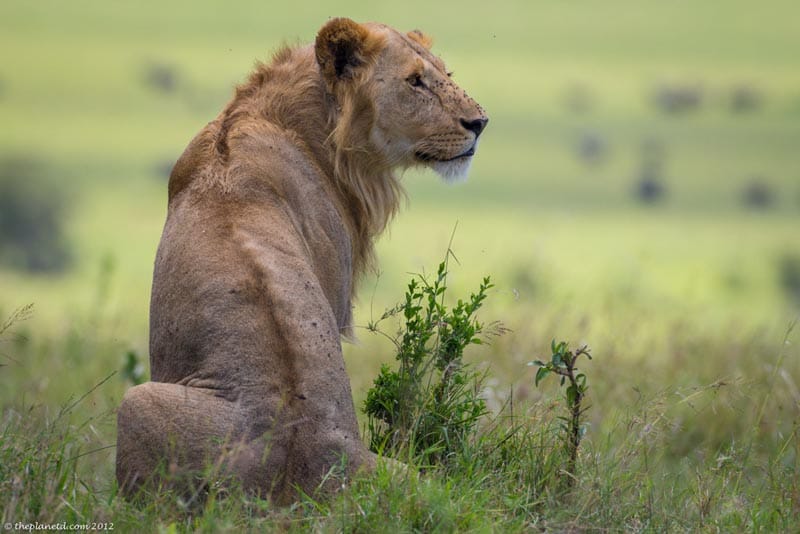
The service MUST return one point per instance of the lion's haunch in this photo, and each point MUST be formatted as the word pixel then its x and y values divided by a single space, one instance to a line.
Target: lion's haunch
pixel 273 210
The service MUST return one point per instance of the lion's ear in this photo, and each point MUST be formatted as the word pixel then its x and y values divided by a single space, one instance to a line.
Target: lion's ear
pixel 421 38
pixel 342 47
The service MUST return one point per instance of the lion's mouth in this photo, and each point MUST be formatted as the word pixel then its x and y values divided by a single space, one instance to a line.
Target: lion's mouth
pixel 423 156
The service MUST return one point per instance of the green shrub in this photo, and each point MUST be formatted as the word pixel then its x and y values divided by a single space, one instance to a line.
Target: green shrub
pixel 431 403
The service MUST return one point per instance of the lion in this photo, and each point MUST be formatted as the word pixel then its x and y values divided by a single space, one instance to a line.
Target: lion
pixel 273 211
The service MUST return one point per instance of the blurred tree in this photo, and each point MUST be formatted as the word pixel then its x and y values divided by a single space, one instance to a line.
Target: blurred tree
pixel 161 77
pixel 744 98
pixel 649 186
pixel 32 209
pixel 678 97
pixel 757 194
pixel 591 148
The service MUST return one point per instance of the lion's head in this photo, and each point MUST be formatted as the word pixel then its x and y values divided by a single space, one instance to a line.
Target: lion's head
pixel 393 89
pixel 363 101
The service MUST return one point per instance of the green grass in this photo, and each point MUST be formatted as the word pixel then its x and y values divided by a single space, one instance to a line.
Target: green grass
pixel 716 455
pixel 685 304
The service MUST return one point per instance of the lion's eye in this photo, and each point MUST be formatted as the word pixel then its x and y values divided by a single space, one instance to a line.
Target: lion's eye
pixel 416 80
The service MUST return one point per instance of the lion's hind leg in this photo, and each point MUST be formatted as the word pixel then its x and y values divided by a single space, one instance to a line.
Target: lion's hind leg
pixel 177 436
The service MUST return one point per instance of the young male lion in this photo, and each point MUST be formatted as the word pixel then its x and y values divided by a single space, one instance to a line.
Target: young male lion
pixel 273 209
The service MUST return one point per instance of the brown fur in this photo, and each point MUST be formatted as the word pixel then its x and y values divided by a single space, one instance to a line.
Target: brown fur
pixel 273 210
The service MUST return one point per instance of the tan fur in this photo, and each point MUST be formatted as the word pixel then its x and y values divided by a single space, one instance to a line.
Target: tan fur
pixel 421 38
pixel 273 210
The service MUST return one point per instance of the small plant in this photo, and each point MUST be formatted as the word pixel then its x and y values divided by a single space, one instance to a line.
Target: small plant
pixel 133 369
pixel 563 363
pixel 431 404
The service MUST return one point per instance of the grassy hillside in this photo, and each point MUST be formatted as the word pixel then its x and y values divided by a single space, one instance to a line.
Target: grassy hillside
pixel 637 189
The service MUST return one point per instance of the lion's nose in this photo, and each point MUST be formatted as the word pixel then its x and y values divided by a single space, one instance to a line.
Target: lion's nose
pixel 475 126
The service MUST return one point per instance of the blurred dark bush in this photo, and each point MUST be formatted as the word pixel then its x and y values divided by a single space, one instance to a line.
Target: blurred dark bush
pixel 591 148
pixel 161 77
pixel 649 183
pixel 744 98
pixel 757 194
pixel 678 98
pixel 789 274
pixel 649 189
pixel 32 210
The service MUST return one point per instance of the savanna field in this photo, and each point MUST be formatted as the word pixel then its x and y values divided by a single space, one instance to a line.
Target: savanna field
pixel 637 190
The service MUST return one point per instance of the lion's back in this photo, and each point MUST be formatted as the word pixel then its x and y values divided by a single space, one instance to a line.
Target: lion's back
pixel 223 246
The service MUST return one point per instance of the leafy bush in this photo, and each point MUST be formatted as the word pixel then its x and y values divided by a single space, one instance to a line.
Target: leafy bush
pixel 429 407
pixel 431 403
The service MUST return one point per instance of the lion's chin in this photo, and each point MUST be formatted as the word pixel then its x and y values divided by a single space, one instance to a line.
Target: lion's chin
pixel 453 171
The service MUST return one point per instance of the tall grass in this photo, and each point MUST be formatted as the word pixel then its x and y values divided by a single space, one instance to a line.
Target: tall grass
pixel 39 455
pixel 722 456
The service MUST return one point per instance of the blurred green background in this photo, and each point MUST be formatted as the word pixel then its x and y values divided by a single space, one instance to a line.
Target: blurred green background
pixel 638 187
